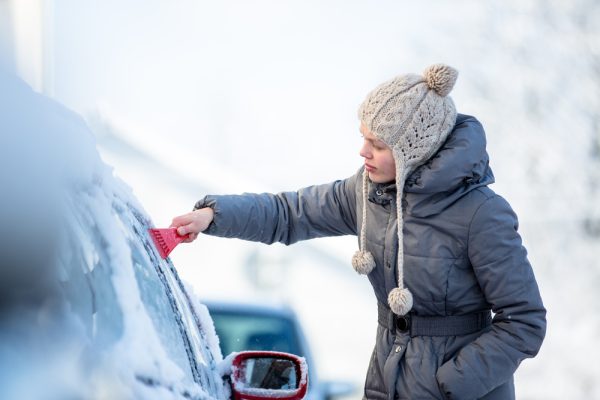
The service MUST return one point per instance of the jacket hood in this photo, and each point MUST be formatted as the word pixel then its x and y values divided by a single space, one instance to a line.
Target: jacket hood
pixel 460 166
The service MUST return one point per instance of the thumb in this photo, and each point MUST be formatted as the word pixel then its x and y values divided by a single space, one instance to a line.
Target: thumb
pixel 182 230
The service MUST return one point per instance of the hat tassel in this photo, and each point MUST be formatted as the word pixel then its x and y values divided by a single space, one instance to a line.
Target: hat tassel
pixel 400 301
pixel 363 262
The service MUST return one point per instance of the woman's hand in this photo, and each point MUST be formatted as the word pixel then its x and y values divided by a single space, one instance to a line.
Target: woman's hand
pixel 192 223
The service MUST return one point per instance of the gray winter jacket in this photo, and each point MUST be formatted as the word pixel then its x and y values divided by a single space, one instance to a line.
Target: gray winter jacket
pixel 462 255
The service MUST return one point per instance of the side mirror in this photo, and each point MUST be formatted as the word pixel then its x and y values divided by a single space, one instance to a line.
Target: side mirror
pixel 258 375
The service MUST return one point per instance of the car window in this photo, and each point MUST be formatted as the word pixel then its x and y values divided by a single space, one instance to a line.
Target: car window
pixel 202 361
pixel 239 331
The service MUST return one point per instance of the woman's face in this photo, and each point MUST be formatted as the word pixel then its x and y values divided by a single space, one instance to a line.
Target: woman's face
pixel 379 161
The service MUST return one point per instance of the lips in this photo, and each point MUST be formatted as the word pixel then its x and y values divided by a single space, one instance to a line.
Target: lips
pixel 370 168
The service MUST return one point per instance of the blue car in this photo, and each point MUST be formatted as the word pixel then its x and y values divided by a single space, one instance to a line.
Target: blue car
pixel 262 326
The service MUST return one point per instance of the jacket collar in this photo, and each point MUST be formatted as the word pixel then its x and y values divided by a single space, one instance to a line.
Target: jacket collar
pixel 382 193
pixel 460 166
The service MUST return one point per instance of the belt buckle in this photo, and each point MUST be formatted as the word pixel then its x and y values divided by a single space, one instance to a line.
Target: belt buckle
pixel 402 323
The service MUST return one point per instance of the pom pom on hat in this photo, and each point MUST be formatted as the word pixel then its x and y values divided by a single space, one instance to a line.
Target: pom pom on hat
pixel 400 301
pixel 441 78
pixel 363 262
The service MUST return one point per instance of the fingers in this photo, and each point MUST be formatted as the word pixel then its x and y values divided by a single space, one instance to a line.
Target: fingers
pixel 190 238
pixel 182 220
pixel 183 230
pixel 192 223
pixel 185 226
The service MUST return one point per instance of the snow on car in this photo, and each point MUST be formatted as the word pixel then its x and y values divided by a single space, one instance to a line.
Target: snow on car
pixel 88 308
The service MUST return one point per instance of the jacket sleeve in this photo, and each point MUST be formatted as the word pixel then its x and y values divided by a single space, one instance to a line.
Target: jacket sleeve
pixel 288 217
pixel 506 278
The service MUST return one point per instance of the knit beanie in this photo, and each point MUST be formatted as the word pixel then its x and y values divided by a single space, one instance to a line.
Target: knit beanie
pixel 413 115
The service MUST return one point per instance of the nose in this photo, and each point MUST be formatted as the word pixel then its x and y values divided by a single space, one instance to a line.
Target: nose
pixel 365 150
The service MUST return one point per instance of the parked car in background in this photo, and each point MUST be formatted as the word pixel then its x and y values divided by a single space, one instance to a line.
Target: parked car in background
pixel 262 326
pixel 88 308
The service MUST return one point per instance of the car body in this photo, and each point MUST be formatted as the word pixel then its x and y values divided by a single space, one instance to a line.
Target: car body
pixel 88 308
pixel 272 327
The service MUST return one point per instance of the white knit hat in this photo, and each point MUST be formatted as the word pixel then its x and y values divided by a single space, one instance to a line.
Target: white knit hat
pixel 413 115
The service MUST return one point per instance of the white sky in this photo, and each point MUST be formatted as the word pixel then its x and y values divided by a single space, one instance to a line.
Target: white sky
pixel 267 88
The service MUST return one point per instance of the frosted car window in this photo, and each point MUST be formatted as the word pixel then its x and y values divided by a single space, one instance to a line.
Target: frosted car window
pixel 160 309
pixel 87 281
pixel 204 368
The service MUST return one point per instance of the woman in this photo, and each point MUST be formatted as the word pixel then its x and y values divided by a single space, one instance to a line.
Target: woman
pixel 424 184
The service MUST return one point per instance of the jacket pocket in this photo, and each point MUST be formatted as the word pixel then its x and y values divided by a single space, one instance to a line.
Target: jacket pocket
pixel 417 377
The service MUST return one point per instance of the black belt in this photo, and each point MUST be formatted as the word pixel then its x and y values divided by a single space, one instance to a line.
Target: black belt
pixel 416 325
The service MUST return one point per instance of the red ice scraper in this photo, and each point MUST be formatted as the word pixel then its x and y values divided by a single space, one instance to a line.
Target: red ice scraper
pixel 165 240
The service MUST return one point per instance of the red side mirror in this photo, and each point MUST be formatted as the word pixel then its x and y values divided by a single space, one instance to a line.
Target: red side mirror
pixel 258 375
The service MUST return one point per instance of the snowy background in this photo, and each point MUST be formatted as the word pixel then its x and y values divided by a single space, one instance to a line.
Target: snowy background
pixel 191 97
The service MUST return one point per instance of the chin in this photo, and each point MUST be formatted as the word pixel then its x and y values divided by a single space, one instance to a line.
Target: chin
pixel 376 178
